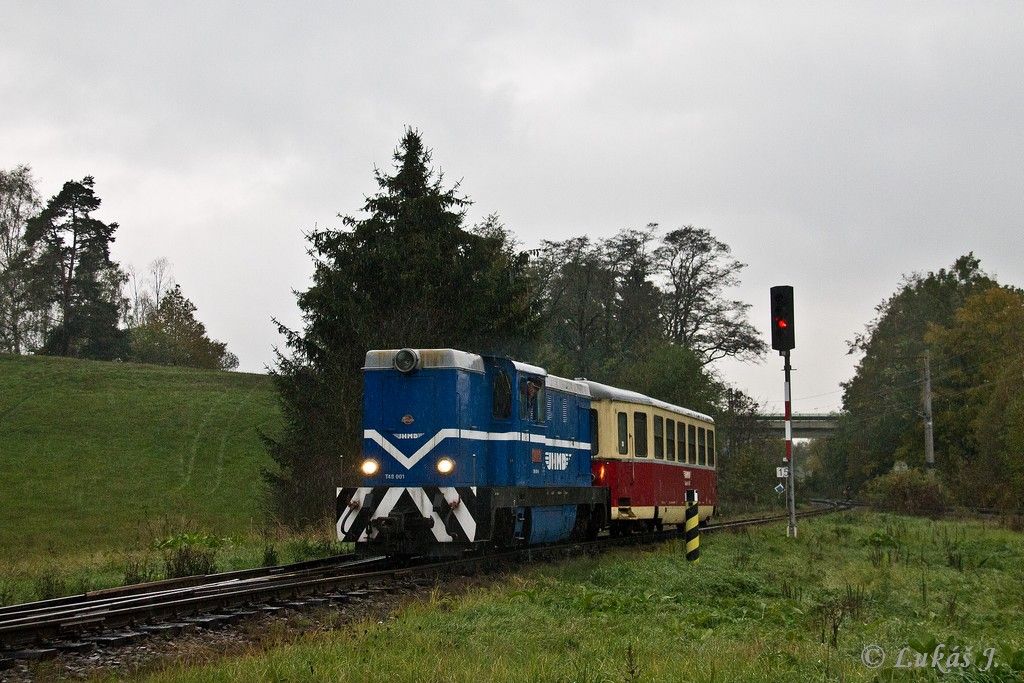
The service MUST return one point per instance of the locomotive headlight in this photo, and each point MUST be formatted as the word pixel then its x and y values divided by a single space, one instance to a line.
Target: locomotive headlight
pixel 407 360
pixel 445 465
pixel 370 467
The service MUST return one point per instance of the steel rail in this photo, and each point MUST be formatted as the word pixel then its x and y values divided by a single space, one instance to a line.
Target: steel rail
pixel 162 600
pixel 180 582
pixel 21 620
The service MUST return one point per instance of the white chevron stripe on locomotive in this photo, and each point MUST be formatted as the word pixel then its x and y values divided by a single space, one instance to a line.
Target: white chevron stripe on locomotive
pixel 409 460
pixel 423 504
pixel 461 513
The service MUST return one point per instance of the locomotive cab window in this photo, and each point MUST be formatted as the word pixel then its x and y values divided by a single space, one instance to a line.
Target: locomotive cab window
pixel 502 396
pixel 623 421
pixel 670 439
pixel 531 399
pixel 712 454
pixel 594 432
pixel 691 444
pixel 701 452
pixel 640 434
pixel 659 437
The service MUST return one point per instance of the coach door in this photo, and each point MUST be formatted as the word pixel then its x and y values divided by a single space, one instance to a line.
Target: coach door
pixel 532 403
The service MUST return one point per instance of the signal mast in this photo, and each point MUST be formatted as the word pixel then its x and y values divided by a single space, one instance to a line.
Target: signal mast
pixel 783 341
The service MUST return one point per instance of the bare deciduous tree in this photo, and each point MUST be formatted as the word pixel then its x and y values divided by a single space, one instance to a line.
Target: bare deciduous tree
pixel 146 290
pixel 21 324
pixel 696 313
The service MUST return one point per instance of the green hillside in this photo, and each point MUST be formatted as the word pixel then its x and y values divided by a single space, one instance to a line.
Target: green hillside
pixel 97 455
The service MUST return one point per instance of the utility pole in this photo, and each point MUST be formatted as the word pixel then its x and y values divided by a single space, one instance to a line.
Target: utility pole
pixel 926 397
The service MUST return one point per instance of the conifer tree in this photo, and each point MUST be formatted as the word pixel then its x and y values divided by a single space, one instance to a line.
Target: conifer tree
pixel 409 273
pixel 74 275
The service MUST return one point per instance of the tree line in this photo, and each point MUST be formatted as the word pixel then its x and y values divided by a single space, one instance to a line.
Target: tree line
pixel 62 294
pixel 643 309
pixel 972 329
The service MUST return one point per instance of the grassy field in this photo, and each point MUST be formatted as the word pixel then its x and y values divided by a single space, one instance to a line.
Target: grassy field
pixel 98 457
pixel 757 607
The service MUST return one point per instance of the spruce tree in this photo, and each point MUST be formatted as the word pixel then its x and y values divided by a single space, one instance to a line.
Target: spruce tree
pixel 408 273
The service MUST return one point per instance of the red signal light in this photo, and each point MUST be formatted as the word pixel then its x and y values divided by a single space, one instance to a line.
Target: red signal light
pixel 782 318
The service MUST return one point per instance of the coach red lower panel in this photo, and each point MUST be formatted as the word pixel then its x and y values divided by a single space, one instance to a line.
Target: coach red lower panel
pixel 646 483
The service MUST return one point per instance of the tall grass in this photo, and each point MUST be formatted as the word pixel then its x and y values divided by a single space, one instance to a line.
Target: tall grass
pixel 789 610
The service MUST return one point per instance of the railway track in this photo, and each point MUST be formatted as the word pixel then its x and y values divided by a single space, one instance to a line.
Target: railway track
pixel 121 616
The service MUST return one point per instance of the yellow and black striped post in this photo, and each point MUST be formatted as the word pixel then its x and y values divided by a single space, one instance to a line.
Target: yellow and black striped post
pixel 692 530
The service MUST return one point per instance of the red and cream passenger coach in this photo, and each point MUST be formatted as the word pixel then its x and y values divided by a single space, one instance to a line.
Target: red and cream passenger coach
pixel 650 454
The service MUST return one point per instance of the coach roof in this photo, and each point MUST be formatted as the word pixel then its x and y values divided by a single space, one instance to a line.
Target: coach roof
pixel 600 391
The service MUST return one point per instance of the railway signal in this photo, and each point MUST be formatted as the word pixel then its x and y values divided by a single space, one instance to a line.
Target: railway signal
pixel 783 331
pixel 784 341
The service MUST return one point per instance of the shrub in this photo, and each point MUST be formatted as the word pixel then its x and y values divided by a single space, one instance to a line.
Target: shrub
pixel 188 561
pixel 911 491
pixel 302 549
pixel 189 554
pixel 138 571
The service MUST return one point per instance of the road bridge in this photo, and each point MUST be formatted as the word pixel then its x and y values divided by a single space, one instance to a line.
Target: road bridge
pixel 805 425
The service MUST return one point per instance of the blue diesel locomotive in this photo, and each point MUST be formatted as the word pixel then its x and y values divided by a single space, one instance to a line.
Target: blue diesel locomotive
pixel 463 452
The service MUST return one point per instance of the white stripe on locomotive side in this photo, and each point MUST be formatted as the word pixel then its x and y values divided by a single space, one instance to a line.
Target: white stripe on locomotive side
pixel 408 461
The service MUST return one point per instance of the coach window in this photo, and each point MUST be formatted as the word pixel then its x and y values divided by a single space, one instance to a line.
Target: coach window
pixel 640 434
pixel 701 452
pixel 713 457
pixel 681 441
pixel 670 439
pixel 659 437
pixel 502 396
pixel 531 399
pixel 594 432
pixel 691 445
pixel 623 420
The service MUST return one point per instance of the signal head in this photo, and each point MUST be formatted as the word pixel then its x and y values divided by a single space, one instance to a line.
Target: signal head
pixel 783 334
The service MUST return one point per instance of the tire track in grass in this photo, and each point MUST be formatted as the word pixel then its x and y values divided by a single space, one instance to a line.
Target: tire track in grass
pixel 228 434
pixel 187 465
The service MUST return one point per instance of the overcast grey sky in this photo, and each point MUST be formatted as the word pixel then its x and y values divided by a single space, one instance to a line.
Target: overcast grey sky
pixel 833 146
